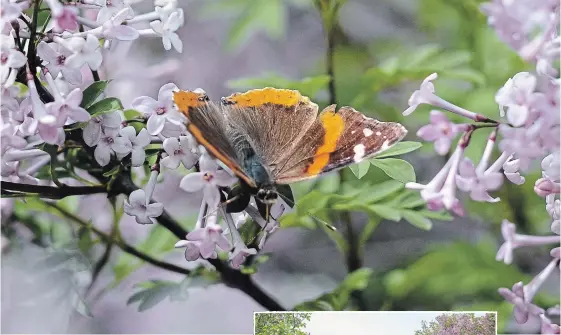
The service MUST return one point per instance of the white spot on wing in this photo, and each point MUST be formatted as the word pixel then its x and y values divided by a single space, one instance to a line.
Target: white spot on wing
pixel 367 132
pixel 378 133
pixel 359 152
pixel 385 145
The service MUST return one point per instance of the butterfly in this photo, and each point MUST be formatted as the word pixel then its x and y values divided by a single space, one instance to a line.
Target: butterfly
pixel 270 138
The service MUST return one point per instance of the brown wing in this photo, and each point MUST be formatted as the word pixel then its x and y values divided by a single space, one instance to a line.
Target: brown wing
pixel 208 124
pixel 271 120
pixel 335 140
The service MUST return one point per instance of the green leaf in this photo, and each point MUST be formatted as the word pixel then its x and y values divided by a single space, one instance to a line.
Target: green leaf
pixel 367 232
pixel 92 92
pixel 106 105
pixel 416 219
pixel 360 169
pixel 397 169
pixel 400 149
pixel 386 212
pixel 338 299
pixel 440 215
pixel 380 191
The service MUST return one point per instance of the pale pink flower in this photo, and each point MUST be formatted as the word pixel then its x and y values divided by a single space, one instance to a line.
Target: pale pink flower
pixel 514 240
pixel 135 144
pixel 209 237
pixel 545 187
pixel 477 183
pixel 547 327
pixel 240 253
pixel 93 130
pixel 523 305
pixel 440 131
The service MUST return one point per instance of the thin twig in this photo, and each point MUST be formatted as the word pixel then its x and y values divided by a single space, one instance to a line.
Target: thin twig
pixel 122 245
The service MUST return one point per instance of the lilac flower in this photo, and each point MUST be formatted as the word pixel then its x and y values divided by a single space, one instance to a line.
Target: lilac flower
pixel 523 306
pixel 84 51
pixel 12 171
pixel 517 98
pixel 209 237
pixel 159 111
pixel 477 183
pixel 64 16
pixel 545 187
pixel 143 211
pixel 440 131
pixel 21 118
pixel 240 253
pixel 192 249
pixel 167 27
pixel 69 107
pixel 55 55
pixel 547 327
pixel 514 240
pixel 10 138
pixel 426 95
pixel 135 144
pixel 553 208
pixel 109 143
pixel 110 8
pixel 551 167
pixel 11 10
pixel 207 180
pixel 180 151
pixel 511 168
pixel 93 130
pixel 114 29
pixel 517 141
pixel 10 57
pixel 440 192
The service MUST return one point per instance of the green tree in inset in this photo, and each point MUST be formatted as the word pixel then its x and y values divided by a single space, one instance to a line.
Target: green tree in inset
pixel 281 323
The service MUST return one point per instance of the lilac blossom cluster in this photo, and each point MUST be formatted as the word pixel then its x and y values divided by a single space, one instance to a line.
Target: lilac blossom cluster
pixel 459 324
pixel 60 59
pixel 526 135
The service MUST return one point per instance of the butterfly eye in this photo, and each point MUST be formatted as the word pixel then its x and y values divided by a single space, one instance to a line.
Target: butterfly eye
pixel 226 102
pixel 204 98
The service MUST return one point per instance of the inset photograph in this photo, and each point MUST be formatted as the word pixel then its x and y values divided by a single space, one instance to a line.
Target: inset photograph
pixel 379 323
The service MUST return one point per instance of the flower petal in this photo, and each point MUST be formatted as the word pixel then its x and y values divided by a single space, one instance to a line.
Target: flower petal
pixel 155 124
pixel 192 182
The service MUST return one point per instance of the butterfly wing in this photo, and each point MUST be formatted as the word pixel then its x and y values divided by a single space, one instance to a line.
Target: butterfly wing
pixel 271 120
pixel 335 140
pixel 208 124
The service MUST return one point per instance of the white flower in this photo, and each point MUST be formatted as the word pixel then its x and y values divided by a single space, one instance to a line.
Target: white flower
pixel 166 29
pixel 424 95
pixel 511 170
pixel 136 144
pixel 144 213
pixel 181 151
pixel 55 55
pixel 207 180
pixel 10 138
pixel 109 143
pixel 113 29
pixel 85 51
pixel 92 131
pixel 159 111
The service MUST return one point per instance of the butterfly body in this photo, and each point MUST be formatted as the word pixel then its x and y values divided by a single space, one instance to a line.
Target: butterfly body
pixel 273 137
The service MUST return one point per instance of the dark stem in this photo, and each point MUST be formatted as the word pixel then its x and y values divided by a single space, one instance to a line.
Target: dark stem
pixel 354 260
pixel 50 192
pixel 95 75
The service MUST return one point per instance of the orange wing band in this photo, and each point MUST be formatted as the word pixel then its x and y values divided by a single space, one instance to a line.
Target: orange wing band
pixel 333 126
pixel 259 97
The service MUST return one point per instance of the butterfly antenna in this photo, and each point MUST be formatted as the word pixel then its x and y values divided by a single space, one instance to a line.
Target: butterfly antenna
pixel 292 204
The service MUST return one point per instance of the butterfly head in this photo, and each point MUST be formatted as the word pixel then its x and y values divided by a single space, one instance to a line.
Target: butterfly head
pixel 267 195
